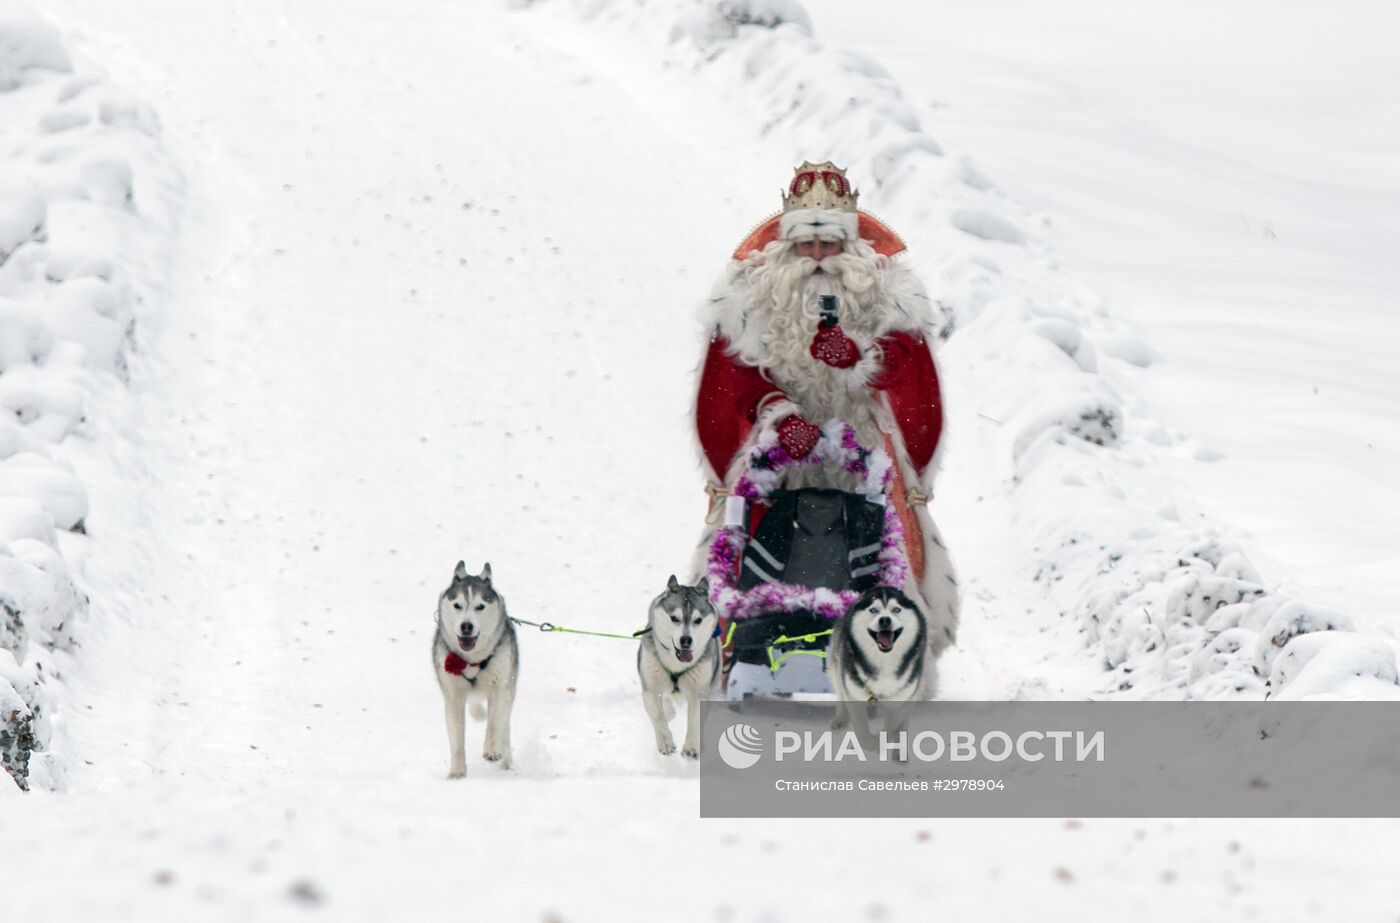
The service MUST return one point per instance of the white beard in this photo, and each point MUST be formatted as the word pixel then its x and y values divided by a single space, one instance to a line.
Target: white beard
pixel 768 307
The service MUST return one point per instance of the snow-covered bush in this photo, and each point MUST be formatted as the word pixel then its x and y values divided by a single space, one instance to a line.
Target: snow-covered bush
pixel 69 201
pixel 709 21
pixel 20 707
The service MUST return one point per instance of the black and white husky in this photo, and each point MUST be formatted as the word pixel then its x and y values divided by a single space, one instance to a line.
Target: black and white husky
pixel 679 655
pixel 877 654
pixel 476 660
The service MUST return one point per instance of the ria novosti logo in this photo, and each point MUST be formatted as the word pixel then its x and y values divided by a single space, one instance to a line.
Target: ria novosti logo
pixel 740 746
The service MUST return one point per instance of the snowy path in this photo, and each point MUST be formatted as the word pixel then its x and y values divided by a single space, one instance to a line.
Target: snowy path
pixel 414 276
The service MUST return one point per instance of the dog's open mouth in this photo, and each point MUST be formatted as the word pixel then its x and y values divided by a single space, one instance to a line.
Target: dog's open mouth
pixel 466 643
pixel 684 656
pixel 885 639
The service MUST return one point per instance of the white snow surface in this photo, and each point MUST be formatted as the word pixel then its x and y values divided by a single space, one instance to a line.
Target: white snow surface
pixel 425 290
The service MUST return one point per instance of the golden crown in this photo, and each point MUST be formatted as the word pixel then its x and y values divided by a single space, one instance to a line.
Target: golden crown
pixel 821 186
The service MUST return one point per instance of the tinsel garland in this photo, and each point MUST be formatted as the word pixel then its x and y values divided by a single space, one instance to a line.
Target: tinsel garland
pixel 763 475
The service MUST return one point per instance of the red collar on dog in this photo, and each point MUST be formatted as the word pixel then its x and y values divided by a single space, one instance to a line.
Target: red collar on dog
pixel 455 665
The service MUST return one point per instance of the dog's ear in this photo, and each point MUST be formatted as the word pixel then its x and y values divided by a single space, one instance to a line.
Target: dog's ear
pixel 461 572
pixel 703 587
pixel 486 574
pixel 672 584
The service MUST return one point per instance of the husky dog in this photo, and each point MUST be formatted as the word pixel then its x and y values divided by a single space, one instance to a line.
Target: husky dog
pixel 679 654
pixel 877 655
pixel 476 660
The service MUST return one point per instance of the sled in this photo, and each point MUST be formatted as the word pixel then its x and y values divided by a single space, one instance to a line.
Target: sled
pixel 787 563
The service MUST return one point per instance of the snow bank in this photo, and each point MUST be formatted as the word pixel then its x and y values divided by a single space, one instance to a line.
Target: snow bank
pixel 1040 379
pixel 28 46
pixel 72 149
pixel 721 20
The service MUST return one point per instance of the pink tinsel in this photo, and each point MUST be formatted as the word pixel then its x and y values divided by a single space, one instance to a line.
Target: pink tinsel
pixel 766 464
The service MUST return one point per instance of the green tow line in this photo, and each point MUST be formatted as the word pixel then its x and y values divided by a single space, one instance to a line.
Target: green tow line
pixel 550 626
pixel 775 659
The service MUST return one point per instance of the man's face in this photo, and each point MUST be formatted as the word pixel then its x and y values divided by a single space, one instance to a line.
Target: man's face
pixel 818 249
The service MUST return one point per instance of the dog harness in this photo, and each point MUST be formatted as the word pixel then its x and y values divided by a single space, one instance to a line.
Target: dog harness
pixel 675 680
pixel 869 696
pixel 455 664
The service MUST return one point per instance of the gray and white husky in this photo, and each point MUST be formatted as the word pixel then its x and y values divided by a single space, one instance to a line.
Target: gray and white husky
pixel 476 660
pixel 679 654
pixel 877 654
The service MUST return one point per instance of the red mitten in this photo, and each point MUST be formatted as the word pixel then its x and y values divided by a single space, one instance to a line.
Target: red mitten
pixel 832 346
pixel 797 436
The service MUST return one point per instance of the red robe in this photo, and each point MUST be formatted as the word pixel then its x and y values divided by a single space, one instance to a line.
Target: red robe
pixel 731 393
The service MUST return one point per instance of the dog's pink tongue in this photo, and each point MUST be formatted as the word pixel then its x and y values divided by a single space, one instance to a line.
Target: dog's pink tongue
pixel 885 639
pixel 684 656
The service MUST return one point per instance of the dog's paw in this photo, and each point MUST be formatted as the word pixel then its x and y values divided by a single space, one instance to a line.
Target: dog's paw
pixel 455 773
pixel 495 756
pixel 665 746
pixel 691 751
pixel 839 721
